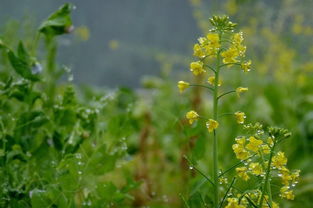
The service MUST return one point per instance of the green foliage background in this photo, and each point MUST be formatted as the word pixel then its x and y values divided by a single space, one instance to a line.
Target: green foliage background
pixel 66 145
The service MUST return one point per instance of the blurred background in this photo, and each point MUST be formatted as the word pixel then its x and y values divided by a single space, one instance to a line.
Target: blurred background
pixel 146 47
pixel 115 41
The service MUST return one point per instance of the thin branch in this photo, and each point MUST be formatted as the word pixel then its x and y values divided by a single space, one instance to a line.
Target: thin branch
pixel 184 200
pixel 225 114
pixel 232 167
pixel 197 85
pixel 226 93
pixel 251 202
pixel 229 187
pixel 210 68
pixel 199 171
pixel 230 64
pixel 244 195
pixel 202 200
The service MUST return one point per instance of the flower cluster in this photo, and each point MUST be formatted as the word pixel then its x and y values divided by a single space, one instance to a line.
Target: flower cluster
pixel 258 159
pixel 224 43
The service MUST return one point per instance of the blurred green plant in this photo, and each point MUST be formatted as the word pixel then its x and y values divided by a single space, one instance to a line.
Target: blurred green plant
pixel 57 151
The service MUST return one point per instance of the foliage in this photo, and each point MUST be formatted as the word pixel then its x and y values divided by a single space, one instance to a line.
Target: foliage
pixel 64 145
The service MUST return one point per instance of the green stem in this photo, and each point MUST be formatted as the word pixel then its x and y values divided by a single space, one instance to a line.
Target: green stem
pixel 225 114
pixel 266 182
pixel 199 171
pixel 215 142
pixel 51 48
pixel 226 93
pixel 237 164
pixel 229 64
pixel 198 85
pixel 229 187
pixel 210 68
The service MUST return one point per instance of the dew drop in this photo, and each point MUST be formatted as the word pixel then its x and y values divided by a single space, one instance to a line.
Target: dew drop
pixel 70 78
pixel 165 198
pixel 78 155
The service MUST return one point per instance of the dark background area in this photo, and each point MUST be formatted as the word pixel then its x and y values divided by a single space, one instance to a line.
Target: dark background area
pixel 142 29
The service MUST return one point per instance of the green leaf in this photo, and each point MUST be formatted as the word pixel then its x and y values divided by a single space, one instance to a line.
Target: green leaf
pixel 59 22
pixel 101 162
pixel 39 199
pixel 21 67
pixel 199 148
pixel 22 54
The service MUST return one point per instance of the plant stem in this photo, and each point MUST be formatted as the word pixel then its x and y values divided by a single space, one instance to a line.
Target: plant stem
pixel 198 85
pixel 229 187
pixel 51 48
pixel 226 93
pixel 266 182
pixel 215 142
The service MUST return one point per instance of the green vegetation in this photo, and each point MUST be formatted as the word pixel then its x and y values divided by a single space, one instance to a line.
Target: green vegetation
pixel 63 145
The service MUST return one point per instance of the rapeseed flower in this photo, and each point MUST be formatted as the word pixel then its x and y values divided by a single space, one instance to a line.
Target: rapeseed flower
pixel 265 149
pixel 230 55
pixel 240 117
pixel 192 116
pixel 211 81
pixel 234 203
pixel 242 173
pixel 256 168
pixel 198 51
pixel 246 66
pixel 214 40
pixel 279 160
pixel 240 90
pixel 182 86
pixel 197 68
pixel 211 125
pixel 240 151
pixel 285 192
pixel 254 144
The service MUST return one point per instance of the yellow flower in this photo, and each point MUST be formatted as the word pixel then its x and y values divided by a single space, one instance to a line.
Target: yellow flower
pixel 270 141
pixel 197 68
pixel 230 56
pixel 279 160
pixel 246 66
pixel 241 140
pixel 254 144
pixel 295 176
pixel 241 90
pixel 256 168
pixel 242 173
pixel 237 42
pixel 275 205
pixel 240 117
pixel 237 38
pixel 202 40
pixel 234 203
pixel 192 116
pixel 285 192
pixel 211 81
pixel 284 173
pixel 182 86
pixel 266 149
pixel 241 50
pixel 198 51
pixel 240 152
pixel 222 180
pixel 214 40
pixel 211 125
